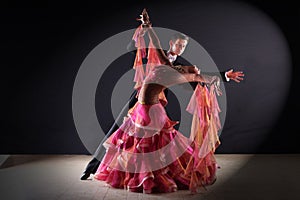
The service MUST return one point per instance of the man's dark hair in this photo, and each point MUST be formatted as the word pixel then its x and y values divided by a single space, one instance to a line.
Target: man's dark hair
pixel 177 36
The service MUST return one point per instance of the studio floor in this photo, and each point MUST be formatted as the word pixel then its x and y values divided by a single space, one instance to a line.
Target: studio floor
pixel 57 177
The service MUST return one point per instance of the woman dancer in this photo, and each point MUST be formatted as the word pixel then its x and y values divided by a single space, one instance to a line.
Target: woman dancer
pixel 146 154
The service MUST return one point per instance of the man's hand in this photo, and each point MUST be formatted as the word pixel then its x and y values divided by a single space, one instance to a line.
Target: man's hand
pixel 236 76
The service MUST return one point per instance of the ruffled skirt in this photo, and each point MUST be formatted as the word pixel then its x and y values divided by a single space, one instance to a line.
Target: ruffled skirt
pixel 146 154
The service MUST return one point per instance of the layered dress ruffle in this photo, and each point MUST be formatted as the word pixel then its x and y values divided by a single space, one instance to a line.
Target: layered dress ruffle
pixel 146 154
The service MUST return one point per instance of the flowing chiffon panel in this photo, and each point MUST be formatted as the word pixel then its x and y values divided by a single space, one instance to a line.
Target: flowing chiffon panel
pixel 140 54
pixel 202 166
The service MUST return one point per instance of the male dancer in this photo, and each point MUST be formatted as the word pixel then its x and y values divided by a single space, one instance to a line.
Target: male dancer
pixel 177 46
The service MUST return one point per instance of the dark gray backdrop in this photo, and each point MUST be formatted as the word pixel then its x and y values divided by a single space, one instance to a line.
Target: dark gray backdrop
pixel 43 46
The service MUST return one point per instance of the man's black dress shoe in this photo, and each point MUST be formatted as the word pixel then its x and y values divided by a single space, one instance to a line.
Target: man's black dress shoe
pixel 85 176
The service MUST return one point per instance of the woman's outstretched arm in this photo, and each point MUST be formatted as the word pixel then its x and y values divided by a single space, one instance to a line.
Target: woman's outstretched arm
pixel 169 76
pixel 157 47
pixel 147 27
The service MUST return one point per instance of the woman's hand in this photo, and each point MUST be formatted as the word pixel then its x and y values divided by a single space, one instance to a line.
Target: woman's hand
pixel 216 81
pixel 145 19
